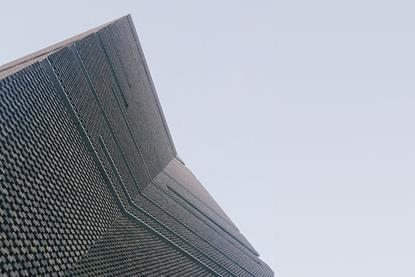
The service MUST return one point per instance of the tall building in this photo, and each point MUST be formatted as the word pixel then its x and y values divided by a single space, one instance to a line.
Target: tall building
pixel 90 180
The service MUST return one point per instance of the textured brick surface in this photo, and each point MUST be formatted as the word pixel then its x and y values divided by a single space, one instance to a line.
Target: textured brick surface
pixel 90 181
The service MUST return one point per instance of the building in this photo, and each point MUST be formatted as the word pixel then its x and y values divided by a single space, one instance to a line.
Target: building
pixel 90 181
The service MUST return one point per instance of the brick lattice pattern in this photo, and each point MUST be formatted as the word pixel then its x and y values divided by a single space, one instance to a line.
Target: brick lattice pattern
pixel 90 181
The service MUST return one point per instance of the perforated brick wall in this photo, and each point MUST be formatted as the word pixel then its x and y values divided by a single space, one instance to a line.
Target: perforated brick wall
pixel 90 181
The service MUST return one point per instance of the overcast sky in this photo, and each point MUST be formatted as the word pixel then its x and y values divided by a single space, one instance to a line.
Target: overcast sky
pixel 298 116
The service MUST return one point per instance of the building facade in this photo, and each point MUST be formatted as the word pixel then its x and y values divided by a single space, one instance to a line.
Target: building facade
pixel 90 180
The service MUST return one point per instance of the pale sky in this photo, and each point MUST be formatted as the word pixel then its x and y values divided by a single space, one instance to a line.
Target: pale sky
pixel 297 116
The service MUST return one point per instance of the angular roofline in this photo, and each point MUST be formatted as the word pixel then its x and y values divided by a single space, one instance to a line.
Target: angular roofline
pixel 18 64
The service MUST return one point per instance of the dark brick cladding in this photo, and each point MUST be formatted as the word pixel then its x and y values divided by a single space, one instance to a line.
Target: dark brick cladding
pixel 90 181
